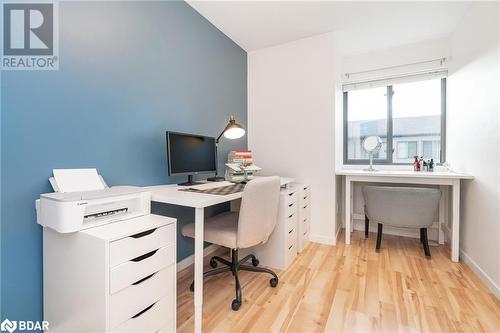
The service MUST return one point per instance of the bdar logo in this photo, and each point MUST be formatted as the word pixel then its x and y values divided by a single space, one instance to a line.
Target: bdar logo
pixel 8 325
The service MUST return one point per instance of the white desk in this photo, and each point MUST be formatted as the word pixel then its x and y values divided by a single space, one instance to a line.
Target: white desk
pixel 170 194
pixel 442 179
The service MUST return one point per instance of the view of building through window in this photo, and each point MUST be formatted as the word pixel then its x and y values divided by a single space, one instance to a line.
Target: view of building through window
pixel 415 117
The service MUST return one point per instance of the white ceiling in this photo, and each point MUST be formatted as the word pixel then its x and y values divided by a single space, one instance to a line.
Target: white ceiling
pixel 361 25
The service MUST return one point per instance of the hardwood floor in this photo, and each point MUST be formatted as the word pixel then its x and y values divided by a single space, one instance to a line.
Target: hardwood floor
pixel 350 289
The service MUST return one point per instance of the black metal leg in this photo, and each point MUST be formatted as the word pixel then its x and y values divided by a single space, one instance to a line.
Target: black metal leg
pixel 235 305
pixel 425 241
pixel 379 236
pixel 421 235
pixel 248 257
pixel 257 269
pixel 217 271
pixel 367 226
pixel 221 260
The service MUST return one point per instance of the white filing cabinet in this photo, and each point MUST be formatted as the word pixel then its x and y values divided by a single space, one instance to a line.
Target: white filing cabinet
pixel 281 248
pixel 304 221
pixel 119 277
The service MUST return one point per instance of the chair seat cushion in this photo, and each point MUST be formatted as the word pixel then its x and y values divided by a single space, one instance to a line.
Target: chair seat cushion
pixel 221 229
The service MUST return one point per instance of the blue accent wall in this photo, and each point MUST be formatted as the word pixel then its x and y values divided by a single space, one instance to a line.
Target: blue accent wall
pixel 129 71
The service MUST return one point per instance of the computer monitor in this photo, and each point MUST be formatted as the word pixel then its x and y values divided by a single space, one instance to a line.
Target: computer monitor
pixel 190 154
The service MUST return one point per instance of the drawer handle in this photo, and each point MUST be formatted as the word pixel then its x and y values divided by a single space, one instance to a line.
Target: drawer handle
pixel 305 197
pixel 143 279
pixel 290 205
pixel 290 247
pixel 142 312
pixel 305 233
pixel 305 206
pixel 144 233
pixel 290 194
pixel 290 231
pixel 291 216
pixel 144 256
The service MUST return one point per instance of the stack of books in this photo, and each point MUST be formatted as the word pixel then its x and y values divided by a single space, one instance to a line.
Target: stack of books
pixel 242 157
pixel 239 166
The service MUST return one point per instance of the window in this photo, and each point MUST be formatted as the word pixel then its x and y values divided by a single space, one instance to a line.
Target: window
pixel 406 150
pixel 408 116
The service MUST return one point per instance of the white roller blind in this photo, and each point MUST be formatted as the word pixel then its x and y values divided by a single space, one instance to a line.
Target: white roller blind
pixel 391 80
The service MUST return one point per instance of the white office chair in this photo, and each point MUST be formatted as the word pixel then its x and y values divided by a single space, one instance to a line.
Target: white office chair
pixel 408 207
pixel 251 226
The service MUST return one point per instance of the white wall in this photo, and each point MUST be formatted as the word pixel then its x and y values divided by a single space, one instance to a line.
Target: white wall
pixel 473 141
pixel 291 102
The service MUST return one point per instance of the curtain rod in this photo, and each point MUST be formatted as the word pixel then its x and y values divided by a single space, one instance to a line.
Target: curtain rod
pixel 441 61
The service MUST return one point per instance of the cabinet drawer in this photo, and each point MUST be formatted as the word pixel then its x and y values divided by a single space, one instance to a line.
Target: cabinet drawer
pixel 133 246
pixel 150 319
pixel 135 269
pixel 138 296
pixel 291 254
pixel 304 209
pixel 305 199
pixel 289 197
pixel 291 208
pixel 291 237
pixel 291 221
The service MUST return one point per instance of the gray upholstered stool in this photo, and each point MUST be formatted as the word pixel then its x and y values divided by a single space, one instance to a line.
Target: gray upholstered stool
pixel 407 207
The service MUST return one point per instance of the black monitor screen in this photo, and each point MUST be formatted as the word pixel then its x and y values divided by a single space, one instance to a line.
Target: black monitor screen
pixel 190 154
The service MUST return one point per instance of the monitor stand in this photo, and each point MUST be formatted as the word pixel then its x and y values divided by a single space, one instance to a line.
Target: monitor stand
pixel 190 182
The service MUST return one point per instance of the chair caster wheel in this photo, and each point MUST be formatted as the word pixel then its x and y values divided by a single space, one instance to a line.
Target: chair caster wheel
pixel 273 282
pixel 213 263
pixel 255 262
pixel 235 305
pixel 191 287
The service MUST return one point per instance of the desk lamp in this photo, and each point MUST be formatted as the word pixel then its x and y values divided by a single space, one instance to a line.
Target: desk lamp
pixel 231 131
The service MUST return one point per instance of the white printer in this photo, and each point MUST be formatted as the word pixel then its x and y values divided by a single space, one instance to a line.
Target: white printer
pixel 75 211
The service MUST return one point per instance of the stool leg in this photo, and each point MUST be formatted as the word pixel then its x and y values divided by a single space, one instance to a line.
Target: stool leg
pixel 421 235
pixel 379 236
pixel 425 241
pixel 367 226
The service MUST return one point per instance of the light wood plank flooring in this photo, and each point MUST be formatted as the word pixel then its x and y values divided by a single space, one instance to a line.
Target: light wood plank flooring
pixel 350 289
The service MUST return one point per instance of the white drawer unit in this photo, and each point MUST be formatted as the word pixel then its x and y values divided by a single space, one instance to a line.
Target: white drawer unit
pixel 119 277
pixel 304 222
pixel 281 248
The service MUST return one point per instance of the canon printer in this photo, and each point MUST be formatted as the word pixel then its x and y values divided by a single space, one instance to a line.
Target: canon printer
pixel 75 211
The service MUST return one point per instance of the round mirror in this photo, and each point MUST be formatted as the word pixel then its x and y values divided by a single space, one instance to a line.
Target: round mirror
pixel 372 144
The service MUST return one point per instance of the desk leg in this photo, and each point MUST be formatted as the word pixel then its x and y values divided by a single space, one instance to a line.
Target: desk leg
pixel 348 195
pixel 455 234
pixel 442 207
pixel 198 269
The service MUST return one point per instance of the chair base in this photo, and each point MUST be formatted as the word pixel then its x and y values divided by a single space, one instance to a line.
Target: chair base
pixel 423 237
pixel 235 266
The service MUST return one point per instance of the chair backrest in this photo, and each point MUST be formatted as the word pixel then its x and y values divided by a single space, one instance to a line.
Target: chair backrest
pixel 258 211
pixel 401 206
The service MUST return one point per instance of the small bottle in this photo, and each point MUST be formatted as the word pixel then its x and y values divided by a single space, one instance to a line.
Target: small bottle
pixel 431 165
pixel 416 164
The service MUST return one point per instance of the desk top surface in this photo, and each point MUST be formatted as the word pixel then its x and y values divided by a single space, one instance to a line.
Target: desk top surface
pixel 403 173
pixel 170 194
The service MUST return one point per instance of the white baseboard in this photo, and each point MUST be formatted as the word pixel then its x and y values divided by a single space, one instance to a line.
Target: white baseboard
pixel 488 281
pixel 321 239
pixel 188 261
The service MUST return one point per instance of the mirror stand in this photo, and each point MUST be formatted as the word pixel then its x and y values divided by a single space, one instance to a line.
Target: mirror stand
pixel 370 168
